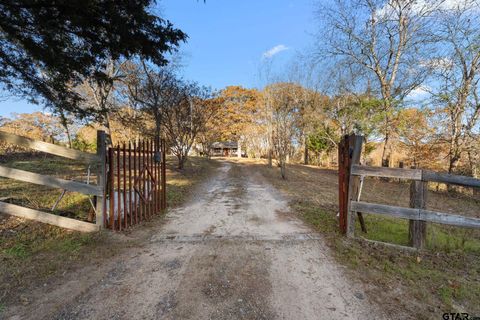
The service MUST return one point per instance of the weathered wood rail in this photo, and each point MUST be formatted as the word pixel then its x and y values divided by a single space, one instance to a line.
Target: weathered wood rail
pixel 415 174
pixel 96 190
pixel 49 181
pixel 350 172
pixel 416 214
pixel 50 148
pixel 48 218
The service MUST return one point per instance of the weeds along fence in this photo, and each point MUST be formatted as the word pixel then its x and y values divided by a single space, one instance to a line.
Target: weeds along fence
pixel 350 184
pixel 98 191
pixel 136 183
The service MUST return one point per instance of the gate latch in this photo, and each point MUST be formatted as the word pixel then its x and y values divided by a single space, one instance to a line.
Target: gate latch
pixel 157 157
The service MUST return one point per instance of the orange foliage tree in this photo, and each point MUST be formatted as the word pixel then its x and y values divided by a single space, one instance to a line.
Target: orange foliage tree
pixel 418 138
pixel 237 113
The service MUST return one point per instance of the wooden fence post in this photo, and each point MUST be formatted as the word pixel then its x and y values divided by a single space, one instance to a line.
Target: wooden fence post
pixel 354 151
pixel 343 177
pixel 101 178
pixel 417 230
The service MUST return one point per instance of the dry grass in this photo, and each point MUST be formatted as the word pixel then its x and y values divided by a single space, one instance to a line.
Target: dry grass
pixel 411 285
pixel 73 205
pixel 31 253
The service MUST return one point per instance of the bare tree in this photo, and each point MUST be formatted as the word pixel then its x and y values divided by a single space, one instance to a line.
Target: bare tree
pixel 187 117
pixel 388 40
pixel 98 92
pixel 152 92
pixel 284 105
pixel 66 120
pixel 457 67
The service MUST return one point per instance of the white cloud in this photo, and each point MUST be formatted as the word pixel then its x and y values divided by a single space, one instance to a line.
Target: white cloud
pixel 273 51
pixel 418 93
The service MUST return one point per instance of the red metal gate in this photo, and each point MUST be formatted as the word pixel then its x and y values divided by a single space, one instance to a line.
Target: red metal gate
pixel 136 183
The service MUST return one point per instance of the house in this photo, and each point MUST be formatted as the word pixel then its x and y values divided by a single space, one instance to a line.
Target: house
pixel 224 149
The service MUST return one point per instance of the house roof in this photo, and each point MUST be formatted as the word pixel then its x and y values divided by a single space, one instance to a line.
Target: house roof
pixel 225 144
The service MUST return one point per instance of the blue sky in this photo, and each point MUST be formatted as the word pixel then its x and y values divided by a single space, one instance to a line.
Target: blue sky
pixel 229 39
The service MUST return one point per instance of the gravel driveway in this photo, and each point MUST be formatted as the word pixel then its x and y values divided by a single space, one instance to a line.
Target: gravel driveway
pixel 232 252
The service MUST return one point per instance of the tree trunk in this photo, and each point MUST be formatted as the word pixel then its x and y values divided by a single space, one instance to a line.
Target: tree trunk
pixel 109 130
pixel 387 106
pixel 385 156
pixel 181 161
pixel 305 155
pixel 452 164
pixel 270 158
pixel 157 131
pixel 69 137
pixel 64 123
pixel 283 169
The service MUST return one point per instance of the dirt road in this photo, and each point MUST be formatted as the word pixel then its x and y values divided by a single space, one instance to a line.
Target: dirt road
pixel 233 252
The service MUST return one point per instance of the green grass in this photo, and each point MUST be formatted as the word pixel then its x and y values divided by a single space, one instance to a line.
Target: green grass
pixel 176 194
pixel 42 239
pixel 452 239
pixel 19 250
pixel 385 229
pixel 439 237
pixel 319 218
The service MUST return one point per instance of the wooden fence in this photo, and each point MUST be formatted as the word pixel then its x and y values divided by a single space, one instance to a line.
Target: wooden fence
pixel 136 183
pixel 131 182
pixel 351 173
pixel 97 190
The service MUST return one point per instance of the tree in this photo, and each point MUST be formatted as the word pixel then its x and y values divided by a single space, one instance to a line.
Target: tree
pixel 67 121
pixel 284 104
pixel 303 71
pixel 255 138
pixel 237 113
pixel 320 141
pixel 153 92
pixel 419 139
pixel 186 118
pixel 98 93
pixel 211 133
pixel 46 47
pixel 386 41
pixel 457 68
pixel 37 126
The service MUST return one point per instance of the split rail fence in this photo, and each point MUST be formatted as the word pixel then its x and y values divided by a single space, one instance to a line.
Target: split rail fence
pixel 351 174
pixel 54 182
pixel 131 182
